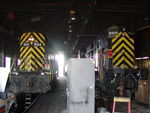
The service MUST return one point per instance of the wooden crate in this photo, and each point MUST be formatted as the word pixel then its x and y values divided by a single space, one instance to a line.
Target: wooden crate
pixel 142 95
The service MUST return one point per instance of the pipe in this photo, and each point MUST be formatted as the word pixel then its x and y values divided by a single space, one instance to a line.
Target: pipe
pixel 85 22
pixel 142 28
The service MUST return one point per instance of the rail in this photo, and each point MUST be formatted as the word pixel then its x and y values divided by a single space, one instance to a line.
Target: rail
pixel 25 111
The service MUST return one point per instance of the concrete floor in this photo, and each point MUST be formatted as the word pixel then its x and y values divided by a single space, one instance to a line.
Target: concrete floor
pixel 138 108
pixel 135 108
pixel 53 101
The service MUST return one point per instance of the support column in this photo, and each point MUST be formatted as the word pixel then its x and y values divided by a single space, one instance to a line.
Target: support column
pixel 149 89
pixel 2 56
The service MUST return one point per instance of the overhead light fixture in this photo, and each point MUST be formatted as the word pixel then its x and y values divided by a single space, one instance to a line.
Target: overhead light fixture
pixel 73 18
pixel 70 29
pixel 72 15
pixel 72 12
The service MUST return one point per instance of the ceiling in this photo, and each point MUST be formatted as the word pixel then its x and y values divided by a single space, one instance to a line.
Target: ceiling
pixel 51 17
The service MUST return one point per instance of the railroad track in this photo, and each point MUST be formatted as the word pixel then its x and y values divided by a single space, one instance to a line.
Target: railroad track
pixel 27 109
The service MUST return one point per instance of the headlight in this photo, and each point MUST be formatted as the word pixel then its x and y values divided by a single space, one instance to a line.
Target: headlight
pixel 14 73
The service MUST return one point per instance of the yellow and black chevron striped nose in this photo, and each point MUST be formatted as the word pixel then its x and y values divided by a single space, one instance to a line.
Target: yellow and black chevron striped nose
pixel 32 51
pixel 123 51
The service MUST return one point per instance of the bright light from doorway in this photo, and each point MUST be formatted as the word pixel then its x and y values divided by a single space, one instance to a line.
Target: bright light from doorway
pixel 60 59
pixel 8 61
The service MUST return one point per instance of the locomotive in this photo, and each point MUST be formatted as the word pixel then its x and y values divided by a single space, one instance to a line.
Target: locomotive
pixel 116 71
pixel 36 72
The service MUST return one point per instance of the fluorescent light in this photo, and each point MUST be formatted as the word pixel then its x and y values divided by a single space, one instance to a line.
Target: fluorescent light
pixel 142 58
pixel 73 18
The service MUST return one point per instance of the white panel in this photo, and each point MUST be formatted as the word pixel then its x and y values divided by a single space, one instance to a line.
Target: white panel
pixel 81 86
pixel 3 78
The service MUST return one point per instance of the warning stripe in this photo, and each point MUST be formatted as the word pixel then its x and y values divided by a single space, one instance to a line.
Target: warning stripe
pixel 35 36
pixel 129 63
pixel 42 48
pixel 23 47
pixel 22 37
pixel 131 58
pixel 39 51
pixel 129 37
pixel 124 46
pixel 24 51
pixel 30 68
pixel 123 51
pixel 120 41
pixel 121 54
pixel 124 61
pixel 42 36
pixel 118 35
pixel 117 57
pixel 125 57
pixel 29 51
pixel 37 55
pixel 38 38
pixel 34 55
pixel 21 65
pixel 119 61
pixel 30 63
pixel 124 66
pixel 31 56
pixel 25 38
pixel 40 64
pixel 26 54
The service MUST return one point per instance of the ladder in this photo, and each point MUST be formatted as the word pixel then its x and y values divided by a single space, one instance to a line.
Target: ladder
pixel 27 100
